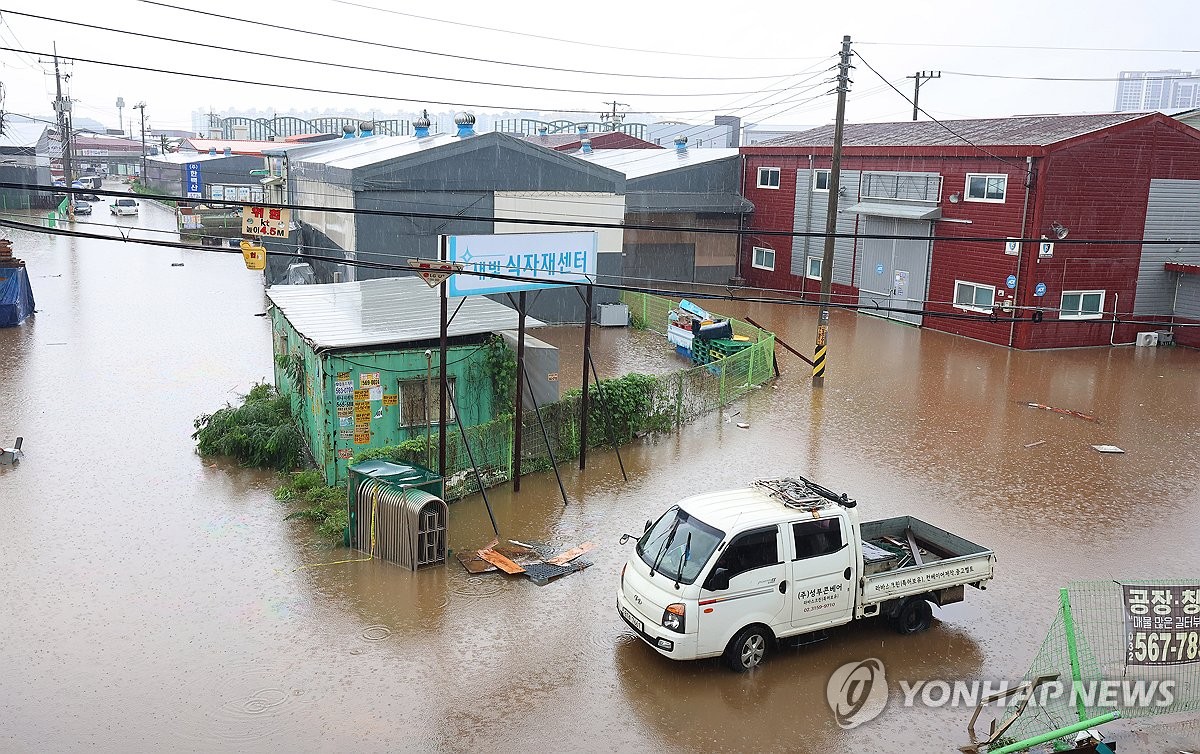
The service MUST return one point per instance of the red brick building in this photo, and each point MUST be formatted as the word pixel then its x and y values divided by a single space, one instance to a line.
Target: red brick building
pixel 1064 179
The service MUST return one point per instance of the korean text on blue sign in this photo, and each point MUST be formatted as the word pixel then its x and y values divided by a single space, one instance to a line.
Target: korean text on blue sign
pixel 195 188
pixel 540 260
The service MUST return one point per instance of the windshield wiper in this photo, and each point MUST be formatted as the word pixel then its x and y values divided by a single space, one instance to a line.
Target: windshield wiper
pixel 687 553
pixel 662 550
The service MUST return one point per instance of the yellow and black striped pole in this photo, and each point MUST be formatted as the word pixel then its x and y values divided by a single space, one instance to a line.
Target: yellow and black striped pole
pixel 819 354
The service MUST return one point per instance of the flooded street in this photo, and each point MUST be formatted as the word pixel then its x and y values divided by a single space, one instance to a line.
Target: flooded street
pixel 153 602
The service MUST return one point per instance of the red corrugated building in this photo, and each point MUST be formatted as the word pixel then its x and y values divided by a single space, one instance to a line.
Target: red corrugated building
pixel 1064 179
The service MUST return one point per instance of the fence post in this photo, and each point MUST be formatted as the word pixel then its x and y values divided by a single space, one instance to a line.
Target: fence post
pixel 679 402
pixel 750 365
pixel 721 393
pixel 1072 653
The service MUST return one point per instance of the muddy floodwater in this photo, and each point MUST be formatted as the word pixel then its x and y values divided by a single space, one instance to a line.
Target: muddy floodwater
pixel 153 600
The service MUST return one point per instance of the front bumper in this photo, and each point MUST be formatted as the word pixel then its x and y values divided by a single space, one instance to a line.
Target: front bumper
pixel 666 643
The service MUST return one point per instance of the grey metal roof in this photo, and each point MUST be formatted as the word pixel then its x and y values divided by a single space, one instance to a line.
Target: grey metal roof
pixel 352 153
pixel 182 158
pixel 21 134
pixel 1026 130
pixel 382 312
pixel 638 163
pixel 895 209
pixel 645 202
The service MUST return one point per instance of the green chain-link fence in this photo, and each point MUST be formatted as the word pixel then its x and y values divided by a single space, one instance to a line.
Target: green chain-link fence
pixel 620 409
pixel 1121 633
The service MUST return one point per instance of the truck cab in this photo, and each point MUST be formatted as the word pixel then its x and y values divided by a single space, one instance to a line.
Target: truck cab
pixel 730 573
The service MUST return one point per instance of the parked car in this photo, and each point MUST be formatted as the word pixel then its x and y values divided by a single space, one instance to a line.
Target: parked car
pixel 728 574
pixel 83 208
pixel 124 207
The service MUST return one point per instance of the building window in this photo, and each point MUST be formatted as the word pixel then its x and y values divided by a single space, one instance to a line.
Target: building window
pixel 768 178
pixel 820 180
pixel 986 188
pixel 919 187
pixel 816 538
pixel 764 259
pixel 1081 305
pixel 813 272
pixel 974 297
pixel 413 404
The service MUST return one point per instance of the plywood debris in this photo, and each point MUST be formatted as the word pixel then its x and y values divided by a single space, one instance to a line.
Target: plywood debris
pixel 571 554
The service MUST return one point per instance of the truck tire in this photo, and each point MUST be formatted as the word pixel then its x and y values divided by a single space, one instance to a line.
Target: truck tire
pixel 748 649
pixel 914 616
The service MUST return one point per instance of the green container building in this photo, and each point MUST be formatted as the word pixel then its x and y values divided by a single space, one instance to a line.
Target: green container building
pixel 360 362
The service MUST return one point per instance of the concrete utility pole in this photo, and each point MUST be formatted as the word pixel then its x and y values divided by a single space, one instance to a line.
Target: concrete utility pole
pixel 62 108
pixel 919 78
pixel 120 111
pixel 142 107
pixel 614 118
pixel 843 86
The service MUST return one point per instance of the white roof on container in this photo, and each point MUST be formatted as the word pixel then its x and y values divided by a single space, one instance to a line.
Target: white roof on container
pixel 741 508
pixel 638 163
pixel 387 311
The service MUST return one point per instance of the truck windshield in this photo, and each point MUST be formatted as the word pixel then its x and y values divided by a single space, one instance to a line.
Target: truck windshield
pixel 666 544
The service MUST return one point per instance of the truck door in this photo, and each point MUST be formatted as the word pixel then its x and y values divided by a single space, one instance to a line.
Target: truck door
pixel 754 564
pixel 822 573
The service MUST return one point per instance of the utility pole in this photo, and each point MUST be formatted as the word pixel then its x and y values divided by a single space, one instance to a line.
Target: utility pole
pixel 142 107
pixel 62 108
pixel 919 78
pixel 613 118
pixel 843 86
pixel 120 111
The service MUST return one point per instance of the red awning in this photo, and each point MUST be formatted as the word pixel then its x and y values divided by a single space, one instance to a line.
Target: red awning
pixel 1185 269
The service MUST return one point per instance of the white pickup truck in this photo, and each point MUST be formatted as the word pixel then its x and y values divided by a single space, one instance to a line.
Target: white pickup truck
pixel 731 573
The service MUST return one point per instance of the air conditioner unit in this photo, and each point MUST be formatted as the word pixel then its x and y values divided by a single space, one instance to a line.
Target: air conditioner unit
pixel 613 315
pixel 1166 338
pixel 1147 339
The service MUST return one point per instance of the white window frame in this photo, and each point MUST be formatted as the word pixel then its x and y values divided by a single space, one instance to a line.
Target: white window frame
pixel 754 257
pixel 972 307
pixel 1080 314
pixel 817 173
pixel 778 173
pixel 985 176
pixel 808 265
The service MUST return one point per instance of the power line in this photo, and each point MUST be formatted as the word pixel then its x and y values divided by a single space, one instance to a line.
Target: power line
pixel 560 39
pixel 949 130
pixel 702 295
pixel 610 226
pixel 264 24
pixel 366 69
pixel 1025 47
pixel 318 90
pixel 1193 77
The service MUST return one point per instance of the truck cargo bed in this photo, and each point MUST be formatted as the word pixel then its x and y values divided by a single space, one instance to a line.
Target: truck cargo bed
pixel 941 560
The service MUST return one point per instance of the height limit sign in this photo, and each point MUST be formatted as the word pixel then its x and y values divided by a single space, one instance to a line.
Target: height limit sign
pixel 271 222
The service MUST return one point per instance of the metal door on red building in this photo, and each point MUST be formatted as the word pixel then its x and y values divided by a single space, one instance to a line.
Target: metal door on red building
pixel 892 274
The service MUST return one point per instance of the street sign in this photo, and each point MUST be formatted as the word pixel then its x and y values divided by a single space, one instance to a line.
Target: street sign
pixel 265 221
pixel 434 272
pixel 539 260
pixel 195 185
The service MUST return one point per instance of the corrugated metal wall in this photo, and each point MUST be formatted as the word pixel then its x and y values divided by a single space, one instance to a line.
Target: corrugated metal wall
pixel 811 211
pixel 1173 212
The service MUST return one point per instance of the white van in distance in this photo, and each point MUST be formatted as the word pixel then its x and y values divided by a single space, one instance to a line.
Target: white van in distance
pixel 124 207
pixel 731 573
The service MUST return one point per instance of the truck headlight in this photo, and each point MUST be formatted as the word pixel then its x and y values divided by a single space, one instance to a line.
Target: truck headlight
pixel 673 617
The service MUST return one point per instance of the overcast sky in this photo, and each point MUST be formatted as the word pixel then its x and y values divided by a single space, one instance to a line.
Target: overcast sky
pixel 786 45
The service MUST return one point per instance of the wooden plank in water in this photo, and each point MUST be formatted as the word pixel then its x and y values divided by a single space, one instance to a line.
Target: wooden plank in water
pixel 473 563
pixel 501 562
pixel 571 554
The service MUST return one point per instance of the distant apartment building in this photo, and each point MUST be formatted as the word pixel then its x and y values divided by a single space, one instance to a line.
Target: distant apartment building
pixel 1157 90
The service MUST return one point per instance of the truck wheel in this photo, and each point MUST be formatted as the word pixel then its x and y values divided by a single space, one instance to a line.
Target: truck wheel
pixel 914 616
pixel 748 649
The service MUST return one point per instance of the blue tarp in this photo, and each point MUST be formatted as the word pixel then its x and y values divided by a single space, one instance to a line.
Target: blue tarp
pixel 16 296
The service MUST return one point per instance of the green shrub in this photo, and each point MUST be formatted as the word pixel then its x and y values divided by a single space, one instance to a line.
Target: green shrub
pixel 260 433
pixel 316 502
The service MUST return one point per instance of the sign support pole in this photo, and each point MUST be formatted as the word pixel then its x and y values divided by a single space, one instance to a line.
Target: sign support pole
pixel 585 400
pixel 442 372
pixel 517 408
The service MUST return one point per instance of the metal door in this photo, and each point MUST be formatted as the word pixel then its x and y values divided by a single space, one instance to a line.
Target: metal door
pixel 891 272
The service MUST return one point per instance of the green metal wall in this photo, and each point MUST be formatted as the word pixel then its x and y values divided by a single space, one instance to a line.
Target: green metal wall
pixel 332 439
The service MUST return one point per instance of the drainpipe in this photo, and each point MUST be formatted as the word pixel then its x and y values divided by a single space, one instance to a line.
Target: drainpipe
pixel 1019 293
pixel 1113 335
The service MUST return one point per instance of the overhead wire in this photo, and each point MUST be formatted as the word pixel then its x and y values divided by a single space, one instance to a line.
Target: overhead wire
pixel 1055 48
pixel 1149 79
pixel 362 68
pixel 701 295
pixel 259 24
pixel 560 39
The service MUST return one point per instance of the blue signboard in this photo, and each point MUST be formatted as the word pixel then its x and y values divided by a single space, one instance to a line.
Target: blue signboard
pixel 541 260
pixel 1040 289
pixel 195 188
pixel 878 269
pixel 1011 282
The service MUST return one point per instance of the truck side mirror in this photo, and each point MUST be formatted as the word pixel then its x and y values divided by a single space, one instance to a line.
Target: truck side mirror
pixel 718 580
pixel 646 528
